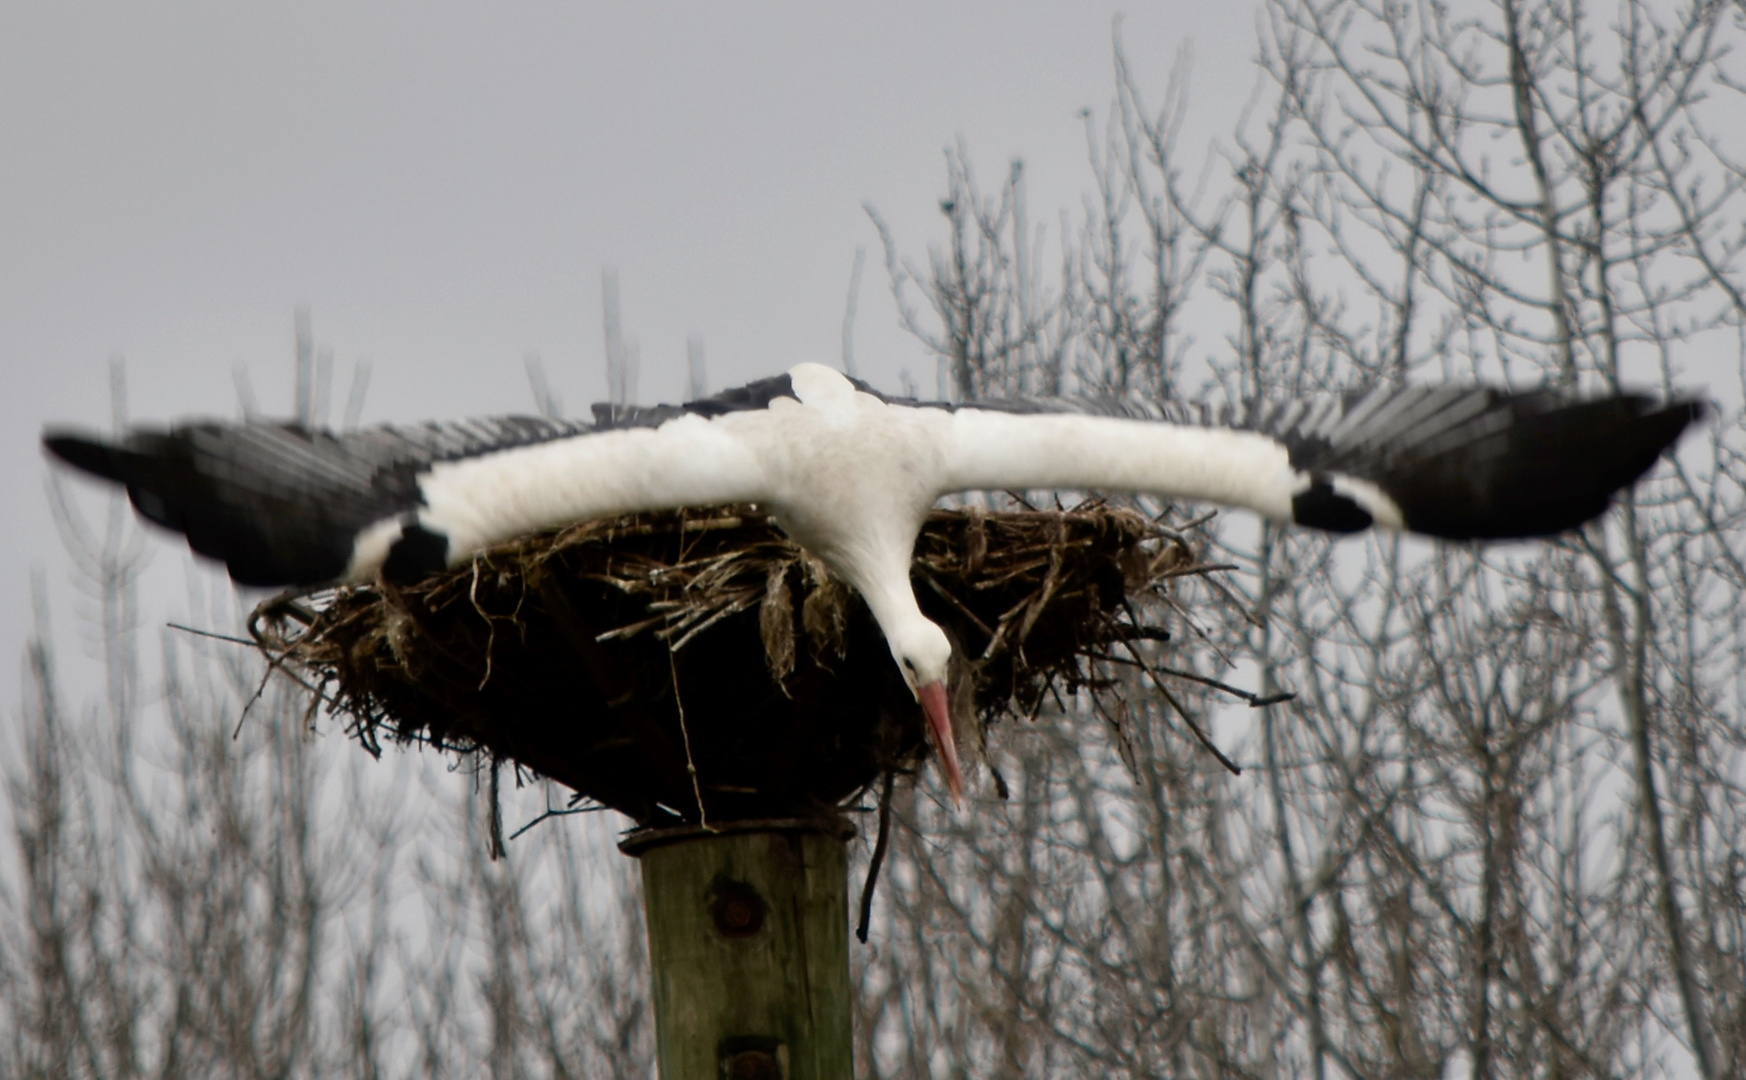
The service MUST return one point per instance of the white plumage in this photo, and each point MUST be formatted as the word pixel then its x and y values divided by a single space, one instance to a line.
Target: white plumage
pixel 851 474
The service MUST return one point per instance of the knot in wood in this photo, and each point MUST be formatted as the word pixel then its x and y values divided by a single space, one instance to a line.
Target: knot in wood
pixel 737 910
pixel 752 1065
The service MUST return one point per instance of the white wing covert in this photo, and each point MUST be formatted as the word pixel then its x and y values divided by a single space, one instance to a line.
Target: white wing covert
pixel 279 504
pixel 1454 462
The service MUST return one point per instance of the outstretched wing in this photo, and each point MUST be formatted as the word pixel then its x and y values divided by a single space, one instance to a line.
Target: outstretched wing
pixel 1453 462
pixel 282 505
pixel 1480 463
pixel 279 504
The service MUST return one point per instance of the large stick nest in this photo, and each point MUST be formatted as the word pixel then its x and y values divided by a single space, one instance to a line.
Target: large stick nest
pixel 658 661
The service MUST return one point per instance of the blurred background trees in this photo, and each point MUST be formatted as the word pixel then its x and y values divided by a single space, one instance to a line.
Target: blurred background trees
pixel 1501 828
pixel 206 878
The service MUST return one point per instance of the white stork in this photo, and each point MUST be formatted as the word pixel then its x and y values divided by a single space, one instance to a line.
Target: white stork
pixel 850 474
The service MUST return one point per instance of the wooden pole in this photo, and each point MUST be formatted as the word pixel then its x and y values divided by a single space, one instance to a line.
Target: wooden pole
pixel 749 945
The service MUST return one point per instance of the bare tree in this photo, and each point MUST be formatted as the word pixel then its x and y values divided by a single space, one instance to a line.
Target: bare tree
pixel 201 881
pixel 997 325
pixel 1499 828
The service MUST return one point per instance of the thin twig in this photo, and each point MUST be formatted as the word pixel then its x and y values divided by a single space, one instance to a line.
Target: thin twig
pixel 685 735
pixel 1196 523
pixel 497 847
pixel 1235 601
pixel 273 664
pixel 878 859
pixel 558 811
pixel 1254 701
pixel 1236 770
pixel 211 634
pixel 955 602
pixel 490 626
pixel 1198 568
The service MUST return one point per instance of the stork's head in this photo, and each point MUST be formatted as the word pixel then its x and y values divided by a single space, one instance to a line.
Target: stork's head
pixel 924 655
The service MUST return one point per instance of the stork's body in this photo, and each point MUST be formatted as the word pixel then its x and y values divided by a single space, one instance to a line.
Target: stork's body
pixel 851 475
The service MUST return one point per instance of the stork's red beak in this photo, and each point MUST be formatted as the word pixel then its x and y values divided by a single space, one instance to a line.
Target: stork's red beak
pixel 933 703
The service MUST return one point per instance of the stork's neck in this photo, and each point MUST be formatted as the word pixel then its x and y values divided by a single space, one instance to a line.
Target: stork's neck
pixel 919 646
pixel 872 552
pixel 891 598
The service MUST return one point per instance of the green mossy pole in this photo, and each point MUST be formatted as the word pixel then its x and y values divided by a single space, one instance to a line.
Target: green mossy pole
pixel 749 946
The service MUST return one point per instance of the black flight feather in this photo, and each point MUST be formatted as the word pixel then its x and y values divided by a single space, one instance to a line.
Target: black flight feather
pixel 1484 464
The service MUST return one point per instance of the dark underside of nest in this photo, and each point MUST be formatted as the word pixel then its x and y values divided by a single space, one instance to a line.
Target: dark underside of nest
pixel 616 657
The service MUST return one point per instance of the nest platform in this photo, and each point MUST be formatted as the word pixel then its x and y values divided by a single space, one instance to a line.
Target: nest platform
pixel 680 666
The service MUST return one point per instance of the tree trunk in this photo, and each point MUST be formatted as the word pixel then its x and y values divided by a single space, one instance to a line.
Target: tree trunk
pixel 749 945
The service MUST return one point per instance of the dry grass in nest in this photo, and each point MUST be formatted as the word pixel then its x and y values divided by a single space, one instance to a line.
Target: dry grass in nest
pixel 658 661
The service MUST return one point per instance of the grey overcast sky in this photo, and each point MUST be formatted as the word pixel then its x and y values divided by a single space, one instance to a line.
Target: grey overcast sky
pixel 442 184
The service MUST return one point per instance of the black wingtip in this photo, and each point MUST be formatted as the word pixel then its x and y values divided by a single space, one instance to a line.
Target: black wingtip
pixel 1550 471
pixel 85 453
pixel 219 500
pixel 1614 448
pixel 1688 412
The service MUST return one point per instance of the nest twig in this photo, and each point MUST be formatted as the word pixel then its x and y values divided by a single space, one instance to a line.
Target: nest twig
pixel 700 666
